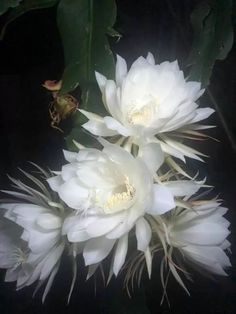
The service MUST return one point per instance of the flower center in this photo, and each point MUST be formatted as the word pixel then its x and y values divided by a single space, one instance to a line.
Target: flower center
pixel 19 257
pixel 120 199
pixel 143 115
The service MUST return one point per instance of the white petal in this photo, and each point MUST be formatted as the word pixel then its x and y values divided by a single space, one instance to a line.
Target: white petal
pixel 97 249
pixel 68 171
pixel 112 100
pixel 98 128
pixel 118 154
pixel 55 182
pixel 7 260
pixel 29 210
pixel 150 58
pixel 141 61
pixel 202 114
pixel 225 245
pixel 104 224
pixel 75 227
pixel 152 155
pixel 11 275
pixel 209 205
pixel 115 125
pixel 70 156
pixel 121 70
pixel 79 235
pixel 73 193
pixel 182 187
pixel 194 90
pixel 91 270
pixel 50 281
pixel 119 231
pixel 143 234
pixel 51 261
pixel 185 150
pixel 101 80
pixel 211 258
pixel 41 242
pixel 120 254
pixel 204 233
pixel 163 200
pixel 89 154
pixel 49 221
pixel 172 151
pixel 148 259
pixel 96 125
pixel 91 115
pixel 25 236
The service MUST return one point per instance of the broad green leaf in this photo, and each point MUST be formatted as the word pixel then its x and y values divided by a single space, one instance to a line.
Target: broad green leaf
pixel 23 7
pixel 84 26
pixel 213 37
pixel 7 4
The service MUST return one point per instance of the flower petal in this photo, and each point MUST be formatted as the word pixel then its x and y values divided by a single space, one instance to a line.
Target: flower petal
pixel 120 254
pixel 150 58
pixel 51 261
pixel 112 100
pixel 202 114
pixel 96 124
pixel 98 128
pixel 212 258
pixel 204 233
pixel 70 156
pixel 183 187
pixel 152 155
pixel 104 224
pixel 143 234
pixel 49 221
pixel 55 182
pixel 101 80
pixel 73 193
pixel 121 70
pixel 97 249
pixel 115 125
pixel 163 200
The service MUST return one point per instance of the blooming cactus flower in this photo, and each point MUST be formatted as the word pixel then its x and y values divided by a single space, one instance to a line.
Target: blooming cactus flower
pixel 31 241
pixel 200 234
pixel 13 250
pixel 198 231
pixel 42 241
pixel 110 192
pixel 149 103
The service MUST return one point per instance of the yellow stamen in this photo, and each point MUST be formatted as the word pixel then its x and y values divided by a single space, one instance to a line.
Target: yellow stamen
pixel 115 200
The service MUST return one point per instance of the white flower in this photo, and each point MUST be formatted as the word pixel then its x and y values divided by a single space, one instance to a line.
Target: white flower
pixel 149 103
pixel 32 243
pixel 200 234
pixel 111 191
pixel 13 250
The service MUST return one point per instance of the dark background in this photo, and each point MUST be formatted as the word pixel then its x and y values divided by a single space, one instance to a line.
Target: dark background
pixel 31 53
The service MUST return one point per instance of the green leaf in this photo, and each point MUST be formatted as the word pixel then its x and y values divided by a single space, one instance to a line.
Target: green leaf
pixel 23 7
pixel 83 26
pixel 6 4
pixel 213 37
